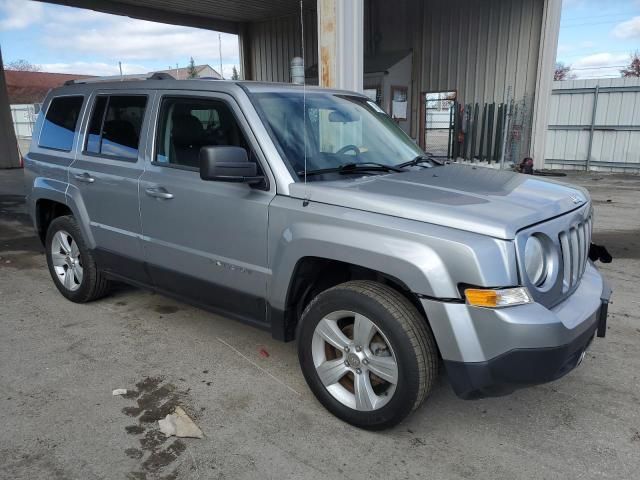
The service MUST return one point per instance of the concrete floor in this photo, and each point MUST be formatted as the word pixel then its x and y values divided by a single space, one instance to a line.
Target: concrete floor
pixel 60 361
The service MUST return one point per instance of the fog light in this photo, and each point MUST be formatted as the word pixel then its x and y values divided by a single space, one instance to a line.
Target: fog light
pixel 495 298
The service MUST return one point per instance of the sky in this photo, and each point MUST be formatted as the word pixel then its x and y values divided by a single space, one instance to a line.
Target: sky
pixel 72 40
pixel 597 37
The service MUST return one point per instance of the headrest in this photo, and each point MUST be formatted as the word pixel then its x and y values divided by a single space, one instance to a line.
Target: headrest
pixel 122 132
pixel 186 130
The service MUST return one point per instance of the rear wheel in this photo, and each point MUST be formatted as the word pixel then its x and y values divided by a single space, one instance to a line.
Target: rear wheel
pixel 71 264
pixel 367 354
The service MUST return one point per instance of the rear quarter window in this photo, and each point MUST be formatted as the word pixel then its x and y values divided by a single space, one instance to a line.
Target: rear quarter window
pixel 61 123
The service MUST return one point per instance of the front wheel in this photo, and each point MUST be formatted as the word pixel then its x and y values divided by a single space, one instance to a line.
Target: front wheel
pixel 367 354
pixel 71 263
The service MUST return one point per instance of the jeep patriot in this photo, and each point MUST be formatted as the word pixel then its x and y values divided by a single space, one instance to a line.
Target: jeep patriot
pixel 307 212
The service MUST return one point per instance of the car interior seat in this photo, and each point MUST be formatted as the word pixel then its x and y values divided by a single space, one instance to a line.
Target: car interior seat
pixel 187 135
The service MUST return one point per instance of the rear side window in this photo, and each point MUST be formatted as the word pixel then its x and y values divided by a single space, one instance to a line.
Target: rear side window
pixel 114 128
pixel 60 123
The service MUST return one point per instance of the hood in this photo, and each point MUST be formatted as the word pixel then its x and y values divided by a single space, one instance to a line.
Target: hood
pixel 476 199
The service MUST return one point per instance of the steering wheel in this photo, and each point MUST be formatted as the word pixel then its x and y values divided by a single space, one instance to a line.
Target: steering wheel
pixel 348 148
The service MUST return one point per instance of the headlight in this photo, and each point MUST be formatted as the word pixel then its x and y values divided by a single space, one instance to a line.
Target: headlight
pixel 535 263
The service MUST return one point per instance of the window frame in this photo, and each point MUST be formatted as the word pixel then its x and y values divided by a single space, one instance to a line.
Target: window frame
pixel 85 140
pixel 77 128
pixel 214 97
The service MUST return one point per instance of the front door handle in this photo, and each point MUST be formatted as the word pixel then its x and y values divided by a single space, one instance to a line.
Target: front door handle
pixel 158 192
pixel 84 177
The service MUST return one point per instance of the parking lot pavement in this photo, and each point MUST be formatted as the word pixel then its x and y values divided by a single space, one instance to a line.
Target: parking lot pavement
pixel 59 363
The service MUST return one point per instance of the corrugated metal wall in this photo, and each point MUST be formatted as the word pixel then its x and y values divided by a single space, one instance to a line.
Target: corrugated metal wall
pixel 480 48
pixel 274 42
pixel 616 127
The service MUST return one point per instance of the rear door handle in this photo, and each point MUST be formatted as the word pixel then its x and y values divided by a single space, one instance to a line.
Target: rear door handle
pixel 158 192
pixel 84 177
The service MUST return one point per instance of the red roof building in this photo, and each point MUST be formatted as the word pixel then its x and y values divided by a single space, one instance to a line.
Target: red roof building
pixel 31 87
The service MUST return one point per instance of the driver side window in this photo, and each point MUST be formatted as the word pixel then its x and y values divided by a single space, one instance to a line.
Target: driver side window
pixel 188 124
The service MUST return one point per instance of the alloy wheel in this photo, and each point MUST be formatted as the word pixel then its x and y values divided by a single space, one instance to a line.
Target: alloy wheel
pixel 67 263
pixel 354 360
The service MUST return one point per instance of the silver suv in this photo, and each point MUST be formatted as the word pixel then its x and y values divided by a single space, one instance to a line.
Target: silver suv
pixel 309 213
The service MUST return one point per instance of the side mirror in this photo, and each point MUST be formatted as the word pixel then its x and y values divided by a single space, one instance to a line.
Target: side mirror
pixel 227 164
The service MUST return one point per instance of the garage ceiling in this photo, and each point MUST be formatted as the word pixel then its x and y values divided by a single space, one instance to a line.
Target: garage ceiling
pixel 221 15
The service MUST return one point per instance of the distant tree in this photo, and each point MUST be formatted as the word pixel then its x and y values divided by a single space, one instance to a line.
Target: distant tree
pixel 563 72
pixel 633 70
pixel 191 69
pixel 234 74
pixel 22 65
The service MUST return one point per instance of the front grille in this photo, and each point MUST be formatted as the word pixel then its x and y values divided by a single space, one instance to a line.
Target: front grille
pixel 574 245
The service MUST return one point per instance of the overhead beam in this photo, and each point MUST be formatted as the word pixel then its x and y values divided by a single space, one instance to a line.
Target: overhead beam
pixel 341 44
pixel 152 14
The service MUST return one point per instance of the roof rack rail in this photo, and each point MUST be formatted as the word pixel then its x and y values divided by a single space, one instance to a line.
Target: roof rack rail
pixel 117 78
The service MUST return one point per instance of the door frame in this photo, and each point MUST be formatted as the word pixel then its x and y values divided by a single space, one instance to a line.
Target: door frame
pixel 199 283
pixel 236 110
pixel 422 127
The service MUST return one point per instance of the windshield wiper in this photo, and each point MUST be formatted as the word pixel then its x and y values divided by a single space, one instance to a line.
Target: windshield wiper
pixel 354 168
pixel 421 159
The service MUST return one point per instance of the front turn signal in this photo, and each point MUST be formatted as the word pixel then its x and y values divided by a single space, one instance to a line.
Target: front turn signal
pixel 496 298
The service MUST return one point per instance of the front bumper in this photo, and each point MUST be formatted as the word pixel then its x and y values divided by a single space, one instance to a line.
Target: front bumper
pixel 489 352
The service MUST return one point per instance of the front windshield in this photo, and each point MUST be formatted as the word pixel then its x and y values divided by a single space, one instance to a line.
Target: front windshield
pixel 339 130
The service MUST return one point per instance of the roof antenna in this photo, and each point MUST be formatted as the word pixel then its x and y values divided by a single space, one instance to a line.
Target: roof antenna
pixel 220 53
pixel 304 103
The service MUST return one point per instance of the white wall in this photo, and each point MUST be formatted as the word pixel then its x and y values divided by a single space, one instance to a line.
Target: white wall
pixel 399 75
pixel 24 117
pixel 209 72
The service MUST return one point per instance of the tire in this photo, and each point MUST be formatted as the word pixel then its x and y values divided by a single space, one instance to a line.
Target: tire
pixel 76 275
pixel 353 331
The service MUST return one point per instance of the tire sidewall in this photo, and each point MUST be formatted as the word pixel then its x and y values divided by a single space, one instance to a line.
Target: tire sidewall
pixel 69 225
pixel 407 388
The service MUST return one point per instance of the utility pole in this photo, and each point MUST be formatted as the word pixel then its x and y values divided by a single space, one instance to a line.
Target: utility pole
pixel 220 53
